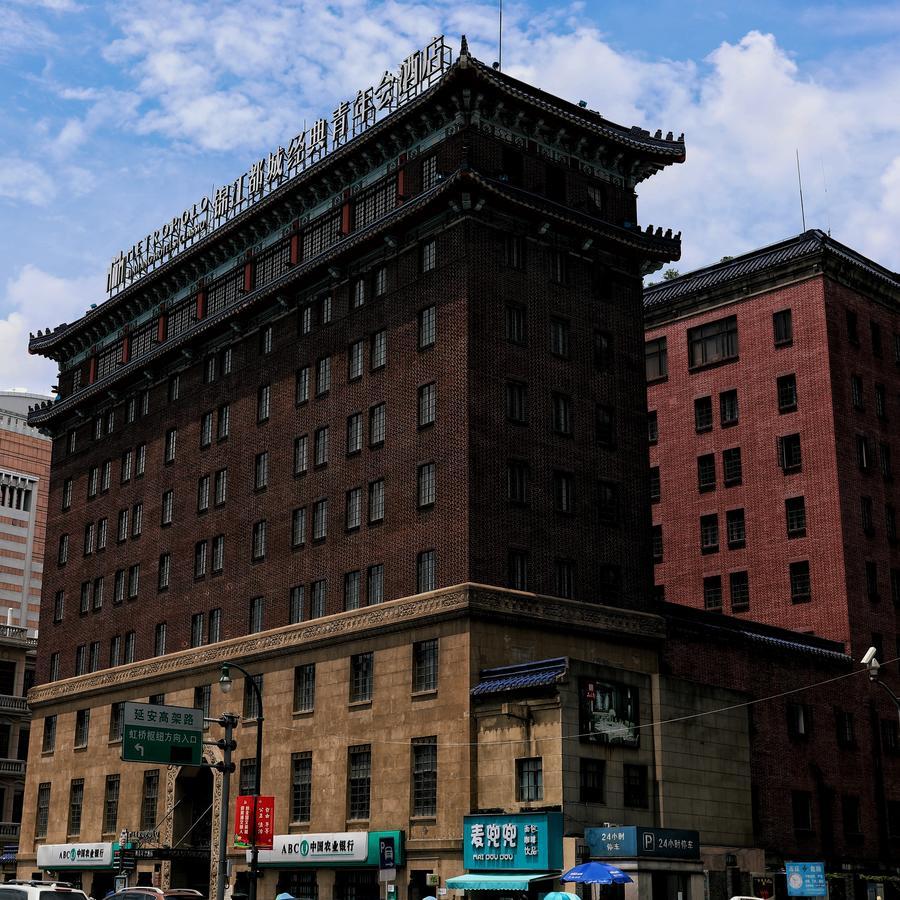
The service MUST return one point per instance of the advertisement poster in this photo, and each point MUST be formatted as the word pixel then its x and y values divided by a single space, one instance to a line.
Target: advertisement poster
pixel 243 821
pixel 609 713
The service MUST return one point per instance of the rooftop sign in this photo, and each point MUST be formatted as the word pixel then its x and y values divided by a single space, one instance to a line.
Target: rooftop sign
pixel 350 118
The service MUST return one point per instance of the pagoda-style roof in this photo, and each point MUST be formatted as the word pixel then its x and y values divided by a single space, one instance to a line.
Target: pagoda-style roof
pixel 633 152
pixel 811 251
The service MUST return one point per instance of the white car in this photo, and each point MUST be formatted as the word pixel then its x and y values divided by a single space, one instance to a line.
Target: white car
pixel 40 890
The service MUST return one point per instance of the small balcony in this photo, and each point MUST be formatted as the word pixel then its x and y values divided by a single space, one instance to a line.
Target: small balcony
pixel 15 634
pixel 11 767
pixel 9 831
pixel 10 703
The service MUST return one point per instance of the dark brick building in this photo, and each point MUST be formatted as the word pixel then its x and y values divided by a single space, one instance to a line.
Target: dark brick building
pixel 410 367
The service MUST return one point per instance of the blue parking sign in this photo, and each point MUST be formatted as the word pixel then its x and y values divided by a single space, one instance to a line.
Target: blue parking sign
pixel 805 879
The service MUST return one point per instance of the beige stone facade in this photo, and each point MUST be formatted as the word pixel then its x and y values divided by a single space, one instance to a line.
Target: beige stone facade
pixel 477 743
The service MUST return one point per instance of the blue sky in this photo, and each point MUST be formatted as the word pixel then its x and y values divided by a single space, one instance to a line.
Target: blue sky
pixel 114 117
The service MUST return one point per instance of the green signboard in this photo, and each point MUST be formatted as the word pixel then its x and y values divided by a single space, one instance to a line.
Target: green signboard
pixel 171 735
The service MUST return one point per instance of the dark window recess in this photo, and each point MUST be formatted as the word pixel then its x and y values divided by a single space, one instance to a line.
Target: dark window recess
pixel 880 402
pixel 709 533
pixel 782 327
pixel 555 184
pixel 736 528
pixel 732 469
pixel 845 730
pixel 800 582
pixel 652 427
pixel 862 452
pixel 875 330
pixel 789 454
pixel 603 351
pixel 511 163
pixel 606 425
pixel 591 780
pixel 608 503
pixel 657 538
pixel 801 808
pixel 713 342
pixel 728 408
pixel 635 787
pixel 795 514
pixel 655 489
pixel 872 581
pixel 865 514
pixel 852 327
pixel 706 472
pixel 656 358
pixel 703 415
pixel 787 393
pixel 799 720
pixel 739 586
pixel 856 392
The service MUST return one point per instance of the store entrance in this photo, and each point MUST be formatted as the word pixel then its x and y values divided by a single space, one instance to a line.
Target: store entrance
pixel 192 829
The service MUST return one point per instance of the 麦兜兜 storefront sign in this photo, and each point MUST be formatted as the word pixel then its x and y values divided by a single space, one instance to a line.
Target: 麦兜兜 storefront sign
pixel 517 841
pixel 349 119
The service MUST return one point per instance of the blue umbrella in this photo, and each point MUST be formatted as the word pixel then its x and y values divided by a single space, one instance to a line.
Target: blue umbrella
pixel 596 873
pixel 560 895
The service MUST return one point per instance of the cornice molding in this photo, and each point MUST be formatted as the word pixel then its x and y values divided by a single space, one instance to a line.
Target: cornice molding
pixel 460 601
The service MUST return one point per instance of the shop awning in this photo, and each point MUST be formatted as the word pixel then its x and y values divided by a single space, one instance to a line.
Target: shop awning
pixel 485 882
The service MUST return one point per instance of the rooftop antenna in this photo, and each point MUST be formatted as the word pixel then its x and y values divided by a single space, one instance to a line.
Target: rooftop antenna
pixel 825 189
pixel 500 39
pixel 800 183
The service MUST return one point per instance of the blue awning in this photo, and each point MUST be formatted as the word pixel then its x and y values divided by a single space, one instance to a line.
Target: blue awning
pixel 476 881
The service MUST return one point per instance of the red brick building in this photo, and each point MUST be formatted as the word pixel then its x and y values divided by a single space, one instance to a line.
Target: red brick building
pixel 774 384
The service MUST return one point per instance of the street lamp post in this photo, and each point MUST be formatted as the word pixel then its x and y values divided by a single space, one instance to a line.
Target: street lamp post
pixel 872 664
pixel 225 684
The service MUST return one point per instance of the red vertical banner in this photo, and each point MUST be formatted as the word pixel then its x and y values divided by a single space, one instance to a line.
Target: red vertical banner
pixel 243 821
pixel 265 822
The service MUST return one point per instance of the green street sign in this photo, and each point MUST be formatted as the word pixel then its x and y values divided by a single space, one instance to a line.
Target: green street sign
pixel 171 735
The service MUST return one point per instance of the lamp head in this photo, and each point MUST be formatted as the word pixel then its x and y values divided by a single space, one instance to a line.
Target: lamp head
pixel 870 655
pixel 225 682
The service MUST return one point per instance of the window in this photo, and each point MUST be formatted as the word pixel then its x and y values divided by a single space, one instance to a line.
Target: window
pixel 872 580
pixel 134 575
pixel 516 396
pixel 354 361
pixel 862 452
pixel 425 485
pixel 220 485
pixel 215 626
pixel 606 425
pixel 203 493
pixel 378 351
pixel 111 804
pixel 202 697
pixel 856 392
pixel 137 519
pixel 169 451
pixel 301 454
pixel 603 351
pixel 424 776
pixel 787 393
pixel 93 481
pixel 852 328
pixel 301 386
pixel 42 819
pixel 48 743
pixel 801 809
pixel 516 324
pixel 323 376
pixel 608 501
pixel 223 422
pixel 115 650
pixel 427 327
pixel 361 677
pixel 200 552
pixel 656 359
pixel 89 539
pixel 174 388
pixel 512 245
pixel 63 553
pixel 875 331
pixel 140 460
pixel 263 400
pixel 258 551
pixel 76 803
pixel 890 522
pixel 305 687
pixel 352 590
pixel 298 527
pixel 376 501
pixel 198 629
pixel 800 582
pixel 890 736
pixel 164 572
pixel 635 786
pixel 354 433
pixel 159 639
pixel 305 324
pixel 657 543
pixel 149 799
pixel 379 282
pixel 247 777
pixel 559 337
pixel 564 492
pixel 703 415
pixel 591 780
pixel 358 293
pixel 529 779
pixel 559 266
pixel 865 511
pixel 561 413
pixel 301 786
pixel 128 655
pixel 85 604
pixel 706 472
pixel 265 340
pixel 119 586
pixel 652 427
pixel 844 728
pixel 713 342
pixel 54 666
pixel 517 478
pixel 296 601
pixel 655 486
pixel 789 456
pixel 728 408
pixel 739 588
pixel 375 583
pixel 82 727
pixel 712 593
pixel 850 817
pixel 206 424
pixel 731 466
pixel 425 666
pixel 320 520
pixel 426 571
pixel 261 471
pixel 795 514
pixel 427 255
pixel 105 475
pixel 122 530
pixel 377 425
pixel 735 526
pixel 318 597
pixel 251 700
pixel 59 602
pixel 359 778
pixel 427 407
pixel 564 578
pixel 102 527
pixel 782 327
pixel 125 472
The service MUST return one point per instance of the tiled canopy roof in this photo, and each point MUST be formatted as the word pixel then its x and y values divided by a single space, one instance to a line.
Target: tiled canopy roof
pixel 542 673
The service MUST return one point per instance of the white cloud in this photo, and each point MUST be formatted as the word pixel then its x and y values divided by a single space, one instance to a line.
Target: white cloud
pixel 24 181
pixel 34 300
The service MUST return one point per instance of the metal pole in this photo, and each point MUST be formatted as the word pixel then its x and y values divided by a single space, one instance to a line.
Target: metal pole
pixel 228 722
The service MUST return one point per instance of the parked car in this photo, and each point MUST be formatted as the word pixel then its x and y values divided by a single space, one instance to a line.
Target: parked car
pixel 146 893
pixel 40 890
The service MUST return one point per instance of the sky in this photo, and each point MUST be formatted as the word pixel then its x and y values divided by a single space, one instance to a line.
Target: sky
pixel 116 116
